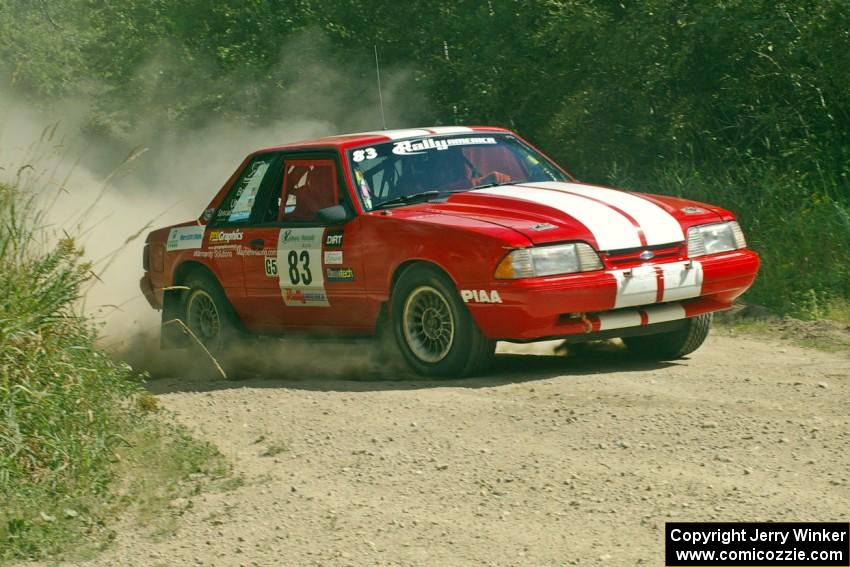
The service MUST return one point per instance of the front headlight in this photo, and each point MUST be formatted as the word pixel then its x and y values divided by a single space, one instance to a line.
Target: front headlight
pixel 714 238
pixel 548 261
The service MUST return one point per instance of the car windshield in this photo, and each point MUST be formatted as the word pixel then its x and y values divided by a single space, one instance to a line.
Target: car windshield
pixel 392 171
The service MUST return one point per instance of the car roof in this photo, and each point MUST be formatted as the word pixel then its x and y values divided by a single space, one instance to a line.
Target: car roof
pixel 343 141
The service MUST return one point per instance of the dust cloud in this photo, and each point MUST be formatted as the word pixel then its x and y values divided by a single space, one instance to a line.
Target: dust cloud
pixel 109 192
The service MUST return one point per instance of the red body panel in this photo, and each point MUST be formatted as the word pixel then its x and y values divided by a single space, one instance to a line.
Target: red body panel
pixel 466 236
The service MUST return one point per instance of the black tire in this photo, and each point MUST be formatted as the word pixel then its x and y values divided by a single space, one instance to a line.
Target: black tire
pixel 207 313
pixel 433 329
pixel 675 344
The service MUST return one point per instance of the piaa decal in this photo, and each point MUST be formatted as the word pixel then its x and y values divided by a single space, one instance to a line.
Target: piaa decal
pixel 480 296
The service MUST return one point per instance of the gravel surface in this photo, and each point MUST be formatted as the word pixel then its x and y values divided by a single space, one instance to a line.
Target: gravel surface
pixel 551 460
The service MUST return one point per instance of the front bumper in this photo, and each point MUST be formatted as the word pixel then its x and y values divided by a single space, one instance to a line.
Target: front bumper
pixel 541 308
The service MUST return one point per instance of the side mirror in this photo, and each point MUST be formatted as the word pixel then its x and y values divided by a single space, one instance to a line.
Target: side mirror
pixel 337 214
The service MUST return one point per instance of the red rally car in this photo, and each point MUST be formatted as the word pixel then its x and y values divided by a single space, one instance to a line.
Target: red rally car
pixel 450 238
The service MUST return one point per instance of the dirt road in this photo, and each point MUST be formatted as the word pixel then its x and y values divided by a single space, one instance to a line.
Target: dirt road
pixel 552 460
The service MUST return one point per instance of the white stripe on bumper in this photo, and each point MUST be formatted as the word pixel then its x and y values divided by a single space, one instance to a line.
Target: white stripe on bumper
pixel 637 286
pixel 681 282
pixel 664 313
pixel 632 317
pixel 619 320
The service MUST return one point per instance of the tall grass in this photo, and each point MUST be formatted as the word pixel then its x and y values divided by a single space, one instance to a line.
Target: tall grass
pixel 63 405
pixel 67 411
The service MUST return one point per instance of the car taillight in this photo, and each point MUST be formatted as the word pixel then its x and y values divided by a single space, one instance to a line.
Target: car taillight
pixel 146 259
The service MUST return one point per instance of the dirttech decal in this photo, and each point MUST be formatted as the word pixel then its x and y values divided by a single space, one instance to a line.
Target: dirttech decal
pixel 413 147
pixel 226 236
pixel 340 275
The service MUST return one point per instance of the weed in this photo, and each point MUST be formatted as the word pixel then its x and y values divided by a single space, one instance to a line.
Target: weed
pixel 78 441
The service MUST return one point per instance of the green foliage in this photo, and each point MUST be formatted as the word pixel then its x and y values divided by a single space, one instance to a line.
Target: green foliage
pixel 746 95
pixel 66 410
pixel 801 231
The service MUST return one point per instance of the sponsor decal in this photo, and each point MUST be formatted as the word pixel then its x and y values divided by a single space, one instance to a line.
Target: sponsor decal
pixel 214 253
pixel 293 296
pixel 185 238
pixel 242 251
pixel 414 147
pixel 340 274
pixel 364 188
pixel 299 268
pixel 333 257
pixel 226 236
pixel 307 236
pixel 300 297
pixel 208 214
pixel 333 239
pixel 480 296
pixel 271 266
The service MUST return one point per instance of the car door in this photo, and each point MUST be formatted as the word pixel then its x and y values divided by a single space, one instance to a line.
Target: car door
pixel 301 274
pixel 226 234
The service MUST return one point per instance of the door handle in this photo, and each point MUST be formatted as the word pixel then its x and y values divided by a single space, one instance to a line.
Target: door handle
pixel 257 244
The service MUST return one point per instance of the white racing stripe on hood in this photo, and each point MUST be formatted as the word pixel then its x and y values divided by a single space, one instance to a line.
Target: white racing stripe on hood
pixel 611 230
pixel 659 226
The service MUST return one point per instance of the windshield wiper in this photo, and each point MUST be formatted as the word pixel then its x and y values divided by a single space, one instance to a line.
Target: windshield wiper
pixel 408 199
pixel 493 184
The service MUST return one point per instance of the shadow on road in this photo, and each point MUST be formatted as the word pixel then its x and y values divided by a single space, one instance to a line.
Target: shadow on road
pixel 352 368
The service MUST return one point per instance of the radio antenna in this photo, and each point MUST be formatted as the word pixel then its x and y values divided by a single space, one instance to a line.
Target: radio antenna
pixel 380 96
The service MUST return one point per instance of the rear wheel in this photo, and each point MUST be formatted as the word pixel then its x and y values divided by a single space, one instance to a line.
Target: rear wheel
pixel 433 330
pixel 675 344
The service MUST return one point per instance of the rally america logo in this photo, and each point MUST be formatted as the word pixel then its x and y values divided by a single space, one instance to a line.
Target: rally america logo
pixel 413 147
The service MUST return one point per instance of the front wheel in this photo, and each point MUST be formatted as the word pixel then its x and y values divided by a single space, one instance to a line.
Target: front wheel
pixel 675 344
pixel 433 330
pixel 207 313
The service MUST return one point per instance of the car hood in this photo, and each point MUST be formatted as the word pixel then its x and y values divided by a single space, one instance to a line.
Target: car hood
pixel 609 219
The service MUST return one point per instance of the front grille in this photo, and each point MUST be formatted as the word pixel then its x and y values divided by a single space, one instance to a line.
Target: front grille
pixel 632 256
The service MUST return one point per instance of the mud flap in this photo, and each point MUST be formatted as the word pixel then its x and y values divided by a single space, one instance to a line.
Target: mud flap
pixel 173 335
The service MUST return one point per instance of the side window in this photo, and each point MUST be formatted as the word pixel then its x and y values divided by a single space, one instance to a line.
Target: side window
pixel 308 186
pixel 236 207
